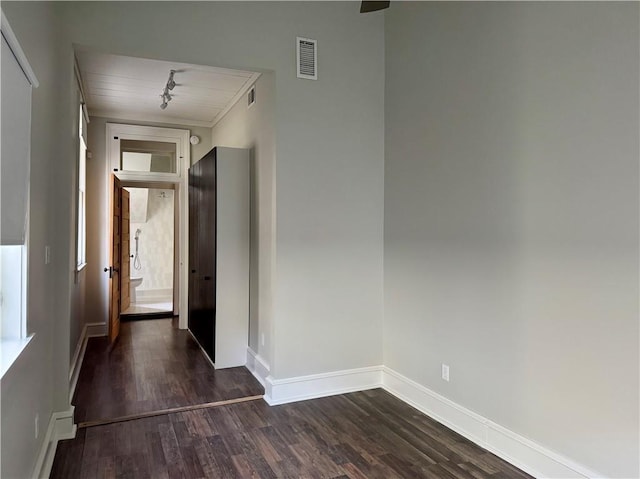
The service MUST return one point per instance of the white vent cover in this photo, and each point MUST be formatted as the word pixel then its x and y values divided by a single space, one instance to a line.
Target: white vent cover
pixel 307 53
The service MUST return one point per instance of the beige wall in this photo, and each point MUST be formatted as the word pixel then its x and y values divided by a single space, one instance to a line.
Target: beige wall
pixel 511 217
pixel 253 128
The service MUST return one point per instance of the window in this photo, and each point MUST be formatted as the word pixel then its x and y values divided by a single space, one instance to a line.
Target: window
pixel 147 153
pixel 82 199
pixel 17 80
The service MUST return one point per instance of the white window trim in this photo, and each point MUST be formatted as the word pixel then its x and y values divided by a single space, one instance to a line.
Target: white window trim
pixel 12 348
pixel 118 132
pixel 12 41
pixel 81 262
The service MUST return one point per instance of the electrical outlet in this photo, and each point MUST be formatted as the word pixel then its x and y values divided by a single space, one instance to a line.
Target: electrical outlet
pixel 445 372
pixel 262 338
pixel 37 425
pixel 47 255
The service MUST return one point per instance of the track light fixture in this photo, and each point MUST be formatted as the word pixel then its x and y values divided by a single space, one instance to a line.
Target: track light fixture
pixel 166 96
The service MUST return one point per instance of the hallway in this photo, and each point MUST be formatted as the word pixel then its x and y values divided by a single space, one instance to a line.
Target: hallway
pixel 153 366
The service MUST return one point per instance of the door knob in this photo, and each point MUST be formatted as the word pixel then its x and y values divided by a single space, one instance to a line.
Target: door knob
pixel 111 270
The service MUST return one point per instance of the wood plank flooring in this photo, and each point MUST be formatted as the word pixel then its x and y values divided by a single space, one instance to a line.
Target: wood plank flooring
pixel 153 366
pixel 367 434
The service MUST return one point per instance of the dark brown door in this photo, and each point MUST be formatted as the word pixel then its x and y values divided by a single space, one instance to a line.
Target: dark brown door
pixel 194 291
pixel 202 251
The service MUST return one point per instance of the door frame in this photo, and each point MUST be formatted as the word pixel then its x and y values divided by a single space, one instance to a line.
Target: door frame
pixel 178 181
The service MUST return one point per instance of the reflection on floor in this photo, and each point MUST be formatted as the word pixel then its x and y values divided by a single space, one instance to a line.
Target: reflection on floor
pixel 152 366
pixel 368 434
pixel 142 308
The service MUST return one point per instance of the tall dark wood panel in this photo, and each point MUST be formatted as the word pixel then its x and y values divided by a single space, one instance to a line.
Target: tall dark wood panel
pixel 219 205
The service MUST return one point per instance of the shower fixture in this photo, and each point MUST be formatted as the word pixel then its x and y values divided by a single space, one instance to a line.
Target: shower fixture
pixel 137 264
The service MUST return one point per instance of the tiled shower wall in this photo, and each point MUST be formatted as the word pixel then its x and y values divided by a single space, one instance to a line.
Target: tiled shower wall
pixel 155 246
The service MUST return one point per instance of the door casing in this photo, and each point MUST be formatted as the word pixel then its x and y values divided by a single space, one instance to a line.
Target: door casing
pixel 178 181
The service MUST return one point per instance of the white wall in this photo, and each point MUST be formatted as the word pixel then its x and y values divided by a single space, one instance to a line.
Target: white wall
pixel 327 312
pixel 37 383
pixel 155 243
pixel 511 216
pixel 253 128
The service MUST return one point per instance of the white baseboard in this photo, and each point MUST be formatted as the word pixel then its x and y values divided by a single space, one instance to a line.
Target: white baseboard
pixel 96 330
pixel 154 295
pixel 90 330
pixel 282 391
pixel 258 367
pixel 510 446
pixel 60 427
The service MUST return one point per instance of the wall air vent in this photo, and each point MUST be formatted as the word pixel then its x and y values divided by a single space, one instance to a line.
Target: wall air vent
pixel 307 53
pixel 251 96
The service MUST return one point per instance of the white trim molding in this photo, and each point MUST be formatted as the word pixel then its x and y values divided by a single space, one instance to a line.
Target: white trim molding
pixel 90 330
pixel 60 427
pixel 257 366
pixel 510 446
pixel 282 391
pixel 16 49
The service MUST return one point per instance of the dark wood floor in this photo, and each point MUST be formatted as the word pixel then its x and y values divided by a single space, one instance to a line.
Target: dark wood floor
pixel 360 435
pixel 153 366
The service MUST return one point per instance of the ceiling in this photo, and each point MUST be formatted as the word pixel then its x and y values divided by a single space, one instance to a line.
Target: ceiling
pixel 130 88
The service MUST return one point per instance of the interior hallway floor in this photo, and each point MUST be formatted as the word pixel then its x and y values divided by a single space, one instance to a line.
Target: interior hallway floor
pixel 361 435
pixel 153 366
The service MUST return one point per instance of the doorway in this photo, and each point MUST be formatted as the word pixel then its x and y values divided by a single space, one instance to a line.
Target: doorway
pixel 151 163
pixel 151 252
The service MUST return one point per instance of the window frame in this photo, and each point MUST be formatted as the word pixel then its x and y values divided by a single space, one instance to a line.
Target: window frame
pixel 12 346
pixel 81 194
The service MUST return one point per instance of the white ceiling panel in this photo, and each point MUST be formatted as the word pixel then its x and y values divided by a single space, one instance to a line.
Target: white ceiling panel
pixel 130 88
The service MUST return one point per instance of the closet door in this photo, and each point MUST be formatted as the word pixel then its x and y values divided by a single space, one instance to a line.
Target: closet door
pixel 207 251
pixel 196 314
